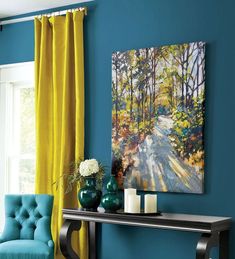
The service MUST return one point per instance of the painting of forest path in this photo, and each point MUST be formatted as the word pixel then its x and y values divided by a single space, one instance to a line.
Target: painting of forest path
pixel 158 97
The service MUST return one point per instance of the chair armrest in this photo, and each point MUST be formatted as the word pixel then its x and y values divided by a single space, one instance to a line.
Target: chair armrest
pixel 1 240
pixel 50 243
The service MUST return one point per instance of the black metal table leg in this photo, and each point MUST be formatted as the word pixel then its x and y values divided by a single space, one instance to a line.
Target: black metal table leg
pixel 204 245
pixel 224 244
pixel 65 238
pixel 92 239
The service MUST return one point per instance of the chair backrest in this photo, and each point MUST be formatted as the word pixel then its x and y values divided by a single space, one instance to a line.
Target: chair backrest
pixel 28 217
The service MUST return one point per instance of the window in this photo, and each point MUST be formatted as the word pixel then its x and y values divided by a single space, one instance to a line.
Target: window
pixel 17 130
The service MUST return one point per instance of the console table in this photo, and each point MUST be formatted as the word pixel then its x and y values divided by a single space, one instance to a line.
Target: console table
pixel 214 230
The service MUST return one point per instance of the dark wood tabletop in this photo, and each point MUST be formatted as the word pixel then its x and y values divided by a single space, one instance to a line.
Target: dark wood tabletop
pixel 173 221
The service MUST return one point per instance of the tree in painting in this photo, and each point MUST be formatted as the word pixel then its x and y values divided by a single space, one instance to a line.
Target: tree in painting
pixel 158 118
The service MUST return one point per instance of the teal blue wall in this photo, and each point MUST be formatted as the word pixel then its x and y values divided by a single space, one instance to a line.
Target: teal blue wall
pixel 119 25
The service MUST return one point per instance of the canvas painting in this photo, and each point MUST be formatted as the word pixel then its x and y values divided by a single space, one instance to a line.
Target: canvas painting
pixel 158 99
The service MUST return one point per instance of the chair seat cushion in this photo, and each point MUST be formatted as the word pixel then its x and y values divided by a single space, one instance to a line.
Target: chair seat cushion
pixel 25 249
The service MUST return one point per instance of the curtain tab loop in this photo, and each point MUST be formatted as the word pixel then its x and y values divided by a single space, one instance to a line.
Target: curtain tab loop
pixel 84 9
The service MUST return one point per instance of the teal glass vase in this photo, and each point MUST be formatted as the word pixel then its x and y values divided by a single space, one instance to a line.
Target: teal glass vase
pixel 111 201
pixel 88 196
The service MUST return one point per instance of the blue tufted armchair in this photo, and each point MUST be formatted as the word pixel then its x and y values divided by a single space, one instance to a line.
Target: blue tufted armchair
pixel 27 231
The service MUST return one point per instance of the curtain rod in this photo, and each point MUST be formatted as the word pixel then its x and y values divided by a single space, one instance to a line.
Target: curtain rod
pixel 30 18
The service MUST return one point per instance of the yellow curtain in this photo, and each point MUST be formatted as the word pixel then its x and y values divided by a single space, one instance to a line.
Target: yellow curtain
pixel 59 75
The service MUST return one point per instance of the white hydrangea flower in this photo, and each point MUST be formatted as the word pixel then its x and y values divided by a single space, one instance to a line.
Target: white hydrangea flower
pixel 89 167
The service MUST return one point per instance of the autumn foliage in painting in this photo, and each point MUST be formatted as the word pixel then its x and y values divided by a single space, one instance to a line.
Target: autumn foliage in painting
pixel 158 117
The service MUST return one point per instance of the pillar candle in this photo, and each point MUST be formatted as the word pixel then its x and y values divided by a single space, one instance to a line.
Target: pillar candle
pixel 150 203
pixel 133 203
pixel 126 193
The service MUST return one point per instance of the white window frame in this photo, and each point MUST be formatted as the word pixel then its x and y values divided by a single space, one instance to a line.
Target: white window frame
pixel 12 78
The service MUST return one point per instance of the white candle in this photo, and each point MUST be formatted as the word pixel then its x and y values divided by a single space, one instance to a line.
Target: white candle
pixel 150 203
pixel 133 203
pixel 126 193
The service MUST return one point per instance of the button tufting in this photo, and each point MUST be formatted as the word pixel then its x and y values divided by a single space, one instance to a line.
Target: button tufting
pixel 37 214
